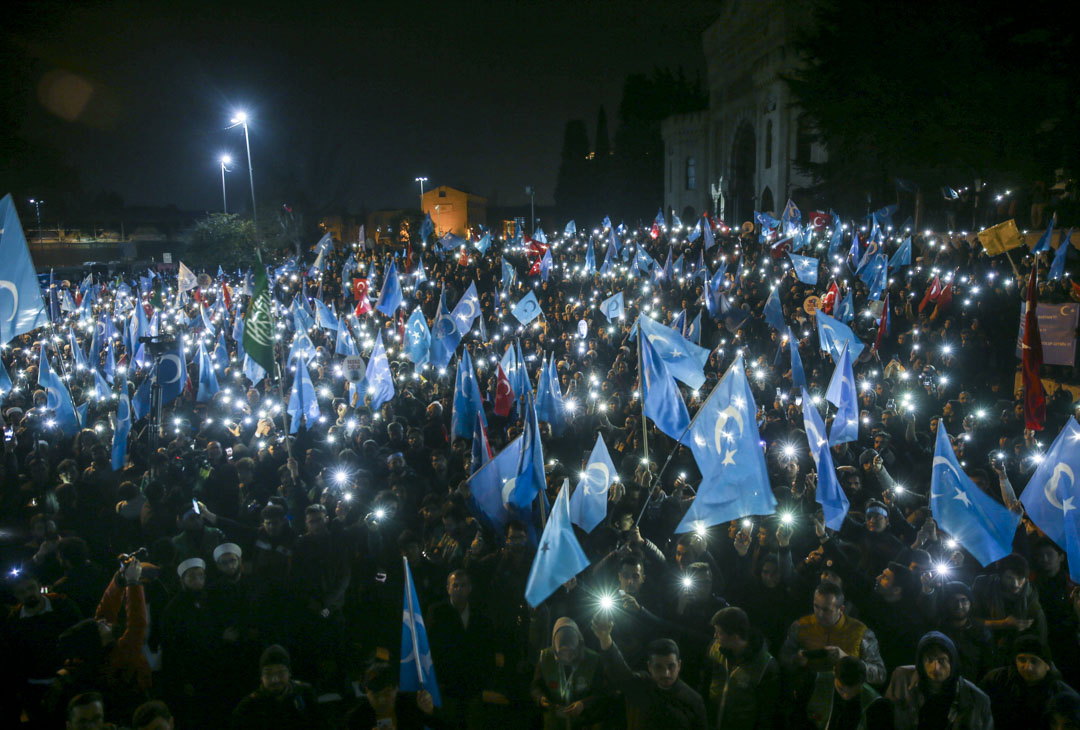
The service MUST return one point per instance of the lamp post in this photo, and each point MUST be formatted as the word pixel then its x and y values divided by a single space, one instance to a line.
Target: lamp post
pixel 421 180
pixel 36 202
pixel 239 119
pixel 531 192
pixel 225 161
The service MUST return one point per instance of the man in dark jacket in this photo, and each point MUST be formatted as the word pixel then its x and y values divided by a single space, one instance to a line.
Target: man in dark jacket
pixel 656 698
pixel 932 694
pixel 1021 691
pixel 280 702
pixel 745 687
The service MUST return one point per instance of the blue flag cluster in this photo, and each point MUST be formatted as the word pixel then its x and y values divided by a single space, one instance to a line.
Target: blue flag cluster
pixel 724 441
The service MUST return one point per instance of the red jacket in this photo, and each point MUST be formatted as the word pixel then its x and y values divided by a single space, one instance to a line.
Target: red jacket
pixel 126 668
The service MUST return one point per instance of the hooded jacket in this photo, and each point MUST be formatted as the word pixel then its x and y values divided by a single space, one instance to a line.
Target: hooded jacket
pixel 969 707
pixel 565 685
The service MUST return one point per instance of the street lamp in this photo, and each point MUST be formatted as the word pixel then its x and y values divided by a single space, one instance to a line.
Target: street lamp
pixel 531 192
pixel 36 202
pixel 225 161
pixel 241 118
pixel 421 180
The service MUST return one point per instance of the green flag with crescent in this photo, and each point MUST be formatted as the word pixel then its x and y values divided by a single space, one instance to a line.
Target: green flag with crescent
pixel 259 323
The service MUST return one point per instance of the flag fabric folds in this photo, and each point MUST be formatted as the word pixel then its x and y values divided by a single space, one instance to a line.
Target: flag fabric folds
pixel 588 503
pixel 724 441
pixel 21 309
pixel 417 669
pixel 1050 497
pixel 981 524
pixel 380 381
pixel 559 557
pixel 828 494
pixel 467 404
pixel 527 309
pixel 662 401
pixel 842 394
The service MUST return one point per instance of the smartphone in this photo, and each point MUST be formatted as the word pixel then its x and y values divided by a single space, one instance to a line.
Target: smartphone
pixel 195 505
pixel 9 433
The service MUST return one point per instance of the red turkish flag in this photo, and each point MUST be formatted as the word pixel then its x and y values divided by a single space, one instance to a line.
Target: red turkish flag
pixel 829 300
pixel 535 247
pixel 883 324
pixel 945 298
pixel 359 289
pixel 820 220
pixel 463 259
pixel 504 395
pixel 363 306
pixel 226 292
pixel 1034 395
pixel 535 268
pixel 932 294
pixel 655 232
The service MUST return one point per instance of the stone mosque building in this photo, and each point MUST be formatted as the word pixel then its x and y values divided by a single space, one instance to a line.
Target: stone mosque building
pixel 750 139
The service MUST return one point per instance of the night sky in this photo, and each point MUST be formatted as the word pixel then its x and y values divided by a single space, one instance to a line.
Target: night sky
pixel 349 101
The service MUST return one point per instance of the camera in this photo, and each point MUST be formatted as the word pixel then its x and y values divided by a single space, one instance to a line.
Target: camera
pixel 127 558
pixel 159 344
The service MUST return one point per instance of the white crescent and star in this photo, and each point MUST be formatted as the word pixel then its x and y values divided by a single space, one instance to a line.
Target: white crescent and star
pixel 596 484
pixel 719 435
pixel 508 489
pixel 10 286
pixel 1050 489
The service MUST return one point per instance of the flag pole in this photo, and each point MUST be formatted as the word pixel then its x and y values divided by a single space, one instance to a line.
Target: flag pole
pixel 412 621
pixel 678 442
pixel 644 422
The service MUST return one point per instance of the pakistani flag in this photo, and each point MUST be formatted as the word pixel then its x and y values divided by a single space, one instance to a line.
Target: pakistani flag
pixel 259 324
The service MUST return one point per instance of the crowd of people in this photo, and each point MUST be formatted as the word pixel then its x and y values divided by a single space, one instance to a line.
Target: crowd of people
pixel 243 567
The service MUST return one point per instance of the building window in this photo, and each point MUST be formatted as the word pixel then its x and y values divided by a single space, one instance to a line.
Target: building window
pixel 442 193
pixel 768 144
pixel 803 140
pixel 691 174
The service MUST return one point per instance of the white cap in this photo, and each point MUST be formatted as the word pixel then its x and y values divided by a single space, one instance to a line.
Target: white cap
pixel 188 565
pixel 227 548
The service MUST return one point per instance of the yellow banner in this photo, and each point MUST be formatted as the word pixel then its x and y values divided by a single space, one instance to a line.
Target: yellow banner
pixel 1001 238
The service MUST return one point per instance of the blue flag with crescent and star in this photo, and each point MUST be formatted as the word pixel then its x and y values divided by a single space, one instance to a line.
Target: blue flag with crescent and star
pixel 834 334
pixel 417 670
pixel 1050 497
pixel 725 443
pixel 662 401
pixel 467 402
pixel 612 307
pixel 558 557
pixel 526 310
pixel 588 503
pixel 23 309
pixel 981 524
pixel 842 394
pixel 829 494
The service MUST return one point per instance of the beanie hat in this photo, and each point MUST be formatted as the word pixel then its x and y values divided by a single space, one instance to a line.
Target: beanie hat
pixel 1030 644
pixel 275 654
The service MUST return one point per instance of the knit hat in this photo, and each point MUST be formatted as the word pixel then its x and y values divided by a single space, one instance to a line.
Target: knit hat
pixel 227 548
pixel 958 587
pixel 1030 644
pixel 275 654
pixel 189 564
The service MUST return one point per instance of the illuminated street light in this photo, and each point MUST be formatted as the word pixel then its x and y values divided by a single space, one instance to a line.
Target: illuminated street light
pixel 241 119
pixel 225 161
pixel 421 180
